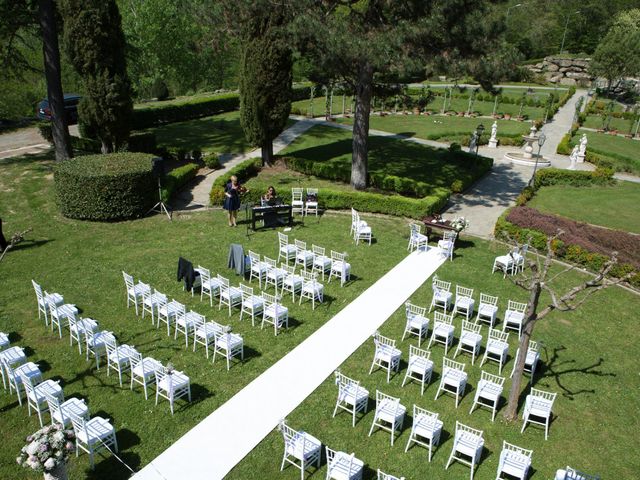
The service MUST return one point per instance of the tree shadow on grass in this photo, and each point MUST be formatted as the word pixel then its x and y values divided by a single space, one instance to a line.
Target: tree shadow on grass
pixel 25 244
pixel 111 467
pixel 556 369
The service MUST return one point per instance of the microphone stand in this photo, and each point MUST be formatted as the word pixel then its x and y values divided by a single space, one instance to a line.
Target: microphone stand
pixel 160 207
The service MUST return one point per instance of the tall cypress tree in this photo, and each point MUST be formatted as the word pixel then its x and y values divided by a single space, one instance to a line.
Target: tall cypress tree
pixel 95 45
pixel 265 85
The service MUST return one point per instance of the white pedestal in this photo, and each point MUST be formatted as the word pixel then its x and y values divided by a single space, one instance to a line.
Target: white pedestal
pixel 581 158
pixel 493 143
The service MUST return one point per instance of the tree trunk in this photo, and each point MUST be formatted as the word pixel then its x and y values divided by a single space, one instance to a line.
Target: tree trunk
pixel 360 155
pixel 267 154
pixel 59 127
pixel 511 412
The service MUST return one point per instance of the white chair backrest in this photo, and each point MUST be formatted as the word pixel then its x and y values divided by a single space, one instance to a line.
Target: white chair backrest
pixel 517 306
pixel 136 359
pixel 224 282
pixel 331 454
pixel 300 245
pixel 549 397
pixel 198 320
pixel 296 194
pixel 471 434
pixel 205 275
pixel 489 377
pixel 54 403
pixel 464 291
pixel 441 317
pixel 111 343
pixel 308 276
pixel 270 299
pixel 432 416
pixel 498 335
pixel 471 327
pixel 449 236
pixel 533 346
pixel 415 229
pixel 414 310
pixel 522 452
pixel 523 249
pixel 319 251
pixel 289 269
pixel 290 437
pixel 271 263
pixel 28 385
pixel 387 400
pixel 447 363
pixel 488 299
pixel 312 191
pixel 254 257
pixel 418 352
pixel 338 257
pixel 441 285
pixel 283 239
pixel 79 425
pixel 345 383
pixel 38 289
pixel 247 292
pixel 128 280
pixel 381 341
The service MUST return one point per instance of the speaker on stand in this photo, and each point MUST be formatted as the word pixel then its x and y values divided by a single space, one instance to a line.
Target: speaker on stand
pixel 157 169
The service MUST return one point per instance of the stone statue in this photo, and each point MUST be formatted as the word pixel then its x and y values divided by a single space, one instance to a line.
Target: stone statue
pixel 493 141
pixel 582 150
pixel 574 157
pixel 473 142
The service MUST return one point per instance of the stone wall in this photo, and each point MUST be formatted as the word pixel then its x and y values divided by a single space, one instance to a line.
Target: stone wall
pixel 564 71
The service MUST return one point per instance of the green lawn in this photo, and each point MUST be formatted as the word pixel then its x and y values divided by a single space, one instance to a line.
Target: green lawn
pixel 386 155
pixel 623 153
pixel 595 414
pixel 219 133
pixel 83 261
pixel 598 122
pixel 284 180
pixel 440 127
pixel 613 207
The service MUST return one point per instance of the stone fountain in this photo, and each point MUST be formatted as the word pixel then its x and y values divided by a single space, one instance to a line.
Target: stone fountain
pixel 527 157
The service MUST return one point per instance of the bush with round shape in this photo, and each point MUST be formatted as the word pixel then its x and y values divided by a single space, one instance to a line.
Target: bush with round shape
pixel 116 186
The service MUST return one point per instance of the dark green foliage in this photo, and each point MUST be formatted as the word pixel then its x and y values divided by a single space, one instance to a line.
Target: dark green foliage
pixel 526 195
pixel 574 178
pixel 109 187
pixel 564 147
pixel 45 131
pixel 177 178
pixel 142 142
pixel 211 161
pixel 195 108
pixel 95 45
pixel 84 145
pixel 159 89
pixel 265 82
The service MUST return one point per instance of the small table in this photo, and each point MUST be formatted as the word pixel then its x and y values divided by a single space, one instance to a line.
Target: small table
pixel 431 222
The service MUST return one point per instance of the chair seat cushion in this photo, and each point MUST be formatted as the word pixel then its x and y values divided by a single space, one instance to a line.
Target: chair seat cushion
pixel 487 310
pixel 452 376
pixel 147 367
pixel 303 445
pixel 388 412
pixel 420 365
pixel 489 390
pixel 13 355
pixel 29 370
pixel 426 425
pixel 178 380
pixel 270 311
pixel 98 428
pixel 442 296
pixel 353 394
pixel 443 330
pixel 470 338
pixel 229 342
pixel 468 443
pixel 71 407
pixel 53 298
pixel 496 347
pixel 418 322
pixel 339 466
pixel 255 302
pixel 39 392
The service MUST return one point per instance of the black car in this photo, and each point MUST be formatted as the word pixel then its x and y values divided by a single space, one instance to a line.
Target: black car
pixel 71 101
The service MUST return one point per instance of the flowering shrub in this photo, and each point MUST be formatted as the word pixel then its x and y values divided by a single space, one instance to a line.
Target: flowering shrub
pixel 47 449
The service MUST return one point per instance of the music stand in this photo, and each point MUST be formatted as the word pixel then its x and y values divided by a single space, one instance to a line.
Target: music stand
pixel 246 218
pixel 157 168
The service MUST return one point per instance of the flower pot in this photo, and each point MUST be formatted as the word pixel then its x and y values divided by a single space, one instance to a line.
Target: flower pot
pixel 58 473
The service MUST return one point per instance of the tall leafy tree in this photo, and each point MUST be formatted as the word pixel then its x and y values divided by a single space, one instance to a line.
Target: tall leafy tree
pixel 618 55
pixel 364 41
pixel 95 45
pixel 266 75
pixel 18 19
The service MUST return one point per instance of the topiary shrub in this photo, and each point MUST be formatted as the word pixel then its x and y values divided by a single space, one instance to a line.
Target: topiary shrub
pixel 212 161
pixel 457 186
pixel 116 186
pixel 159 89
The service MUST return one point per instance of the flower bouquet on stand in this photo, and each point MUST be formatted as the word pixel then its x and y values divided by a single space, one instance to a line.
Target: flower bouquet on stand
pixel 460 224
pixel 47 451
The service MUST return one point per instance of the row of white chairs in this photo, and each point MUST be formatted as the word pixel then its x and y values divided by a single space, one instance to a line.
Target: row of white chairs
pixel 360 230
pixel 124 359
pixel 304 205
pixel 191 324
pixel 420 241
pixel 315 259
pixel 470 341
pixel 487 311
pixel 426 430
pixel 47 396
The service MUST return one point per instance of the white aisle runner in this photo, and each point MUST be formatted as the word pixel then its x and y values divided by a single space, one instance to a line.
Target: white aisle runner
pixel 214 446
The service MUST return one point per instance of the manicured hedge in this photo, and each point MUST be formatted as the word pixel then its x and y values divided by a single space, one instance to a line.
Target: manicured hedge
pixel 574 178
pixel 576 245
pixel 472 168
pixel 177 178
pixel 565 147
pixel 108 187
pixel 195 108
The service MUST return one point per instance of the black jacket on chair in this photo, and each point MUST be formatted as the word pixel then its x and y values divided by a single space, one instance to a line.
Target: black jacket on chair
pixel 186 272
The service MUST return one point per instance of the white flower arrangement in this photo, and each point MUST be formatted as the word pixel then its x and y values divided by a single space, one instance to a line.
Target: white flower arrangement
pixel 460 223
pixel 47 449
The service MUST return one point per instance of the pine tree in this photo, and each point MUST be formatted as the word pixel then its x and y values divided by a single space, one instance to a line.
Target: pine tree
pixel 265 85
pixel 95 45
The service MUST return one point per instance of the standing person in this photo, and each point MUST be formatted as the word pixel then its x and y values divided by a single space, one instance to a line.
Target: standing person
pixel 232 191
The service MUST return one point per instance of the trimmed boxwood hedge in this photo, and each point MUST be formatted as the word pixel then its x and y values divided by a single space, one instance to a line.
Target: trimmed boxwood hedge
pixel 177 178
pixel 339 199
pixel 115 186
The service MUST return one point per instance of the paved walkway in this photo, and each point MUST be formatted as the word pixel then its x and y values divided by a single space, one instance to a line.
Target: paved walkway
pixel 197 197
pixel 214 446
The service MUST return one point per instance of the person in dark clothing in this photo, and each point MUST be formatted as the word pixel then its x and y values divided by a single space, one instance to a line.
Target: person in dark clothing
pixel 232 192
pixel 3 241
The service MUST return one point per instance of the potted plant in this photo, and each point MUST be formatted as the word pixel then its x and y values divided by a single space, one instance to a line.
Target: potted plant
pixel 47 451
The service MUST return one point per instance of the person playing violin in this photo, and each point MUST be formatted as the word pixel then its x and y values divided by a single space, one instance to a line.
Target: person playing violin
pixel 232 191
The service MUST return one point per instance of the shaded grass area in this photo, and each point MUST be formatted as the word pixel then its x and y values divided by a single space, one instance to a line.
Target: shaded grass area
pixel 599 121
pixel 83 262
pixel 386 155
pixel 219 133
pixel 622 153
pixel 588 374
pixel 610 206
pixel 440 127
pixel 283 180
